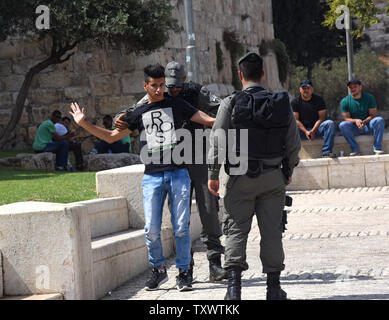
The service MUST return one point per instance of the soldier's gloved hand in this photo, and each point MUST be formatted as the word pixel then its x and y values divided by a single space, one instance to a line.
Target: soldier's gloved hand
pixel 119 123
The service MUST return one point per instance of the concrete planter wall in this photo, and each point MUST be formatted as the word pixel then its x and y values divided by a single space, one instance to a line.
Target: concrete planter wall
pixel 84 249
pixel 344 172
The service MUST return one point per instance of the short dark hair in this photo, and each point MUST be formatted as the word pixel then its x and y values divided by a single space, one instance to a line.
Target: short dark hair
pixel 107 117
pixel 252 70
pixel 354 81
pixel 154 71
pixel 56 114
pixel 66 118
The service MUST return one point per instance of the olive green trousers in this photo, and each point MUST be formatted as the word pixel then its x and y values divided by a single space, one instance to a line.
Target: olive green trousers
pixel 263 196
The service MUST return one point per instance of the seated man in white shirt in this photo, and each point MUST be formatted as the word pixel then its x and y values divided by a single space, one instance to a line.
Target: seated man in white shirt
pixel 62 129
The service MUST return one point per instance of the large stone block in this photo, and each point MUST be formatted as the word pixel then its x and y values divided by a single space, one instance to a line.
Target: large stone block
pixel 105 85
pixel 5 68
pixel 310 175
pixel 13 82
pixel 45 96
pixel 106 161
pixel 73 93
pixel 5 115
pixel 33 49
pixel 117 62
pixel 113 105
pixel 122 256
pixel 87 63
pixel 44 160
pixel 343 172
pixel 346 173
pixel 106 216
pixel 10 50
pixel 21 66
pixel 124 182
pixel 5 100
pixel 132 82
pixel 375 173
pixel 54 80
pixel 46 248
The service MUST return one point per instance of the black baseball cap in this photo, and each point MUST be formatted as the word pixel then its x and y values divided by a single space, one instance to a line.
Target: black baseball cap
pixel 306 83
pixel 354 81
pixel 250 56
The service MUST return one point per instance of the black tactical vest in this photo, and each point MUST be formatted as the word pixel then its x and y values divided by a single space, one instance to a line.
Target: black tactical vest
pixel 266 116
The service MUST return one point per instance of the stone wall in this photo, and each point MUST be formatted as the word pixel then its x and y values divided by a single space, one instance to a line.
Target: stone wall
pixel 379 32
pixel 104 80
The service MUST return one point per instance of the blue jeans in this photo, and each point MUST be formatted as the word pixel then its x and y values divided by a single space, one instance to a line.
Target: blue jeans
pixel 376 127
pixel 156 186
pixel 116 147
pixel 326 130
pixel 61 150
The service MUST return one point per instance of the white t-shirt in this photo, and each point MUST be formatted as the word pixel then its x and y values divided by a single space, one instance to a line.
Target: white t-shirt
pixel 60 129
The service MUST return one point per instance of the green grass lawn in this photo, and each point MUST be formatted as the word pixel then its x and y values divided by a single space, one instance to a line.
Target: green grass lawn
pixel 49 186
pixel 12 153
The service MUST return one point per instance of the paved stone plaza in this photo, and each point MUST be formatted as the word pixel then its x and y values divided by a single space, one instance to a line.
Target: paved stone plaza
pixel 336 247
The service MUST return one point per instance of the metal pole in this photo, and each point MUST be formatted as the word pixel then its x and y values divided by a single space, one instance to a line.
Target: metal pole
pixel 191 50
pixel 350 53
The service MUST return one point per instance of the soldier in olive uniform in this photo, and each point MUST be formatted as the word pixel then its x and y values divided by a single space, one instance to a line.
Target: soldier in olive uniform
pixel 207 204
pixel 271 154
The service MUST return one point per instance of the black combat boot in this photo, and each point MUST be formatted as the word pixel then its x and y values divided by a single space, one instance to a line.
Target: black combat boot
pixel 216 272
pixel 234 284
pixel 274 291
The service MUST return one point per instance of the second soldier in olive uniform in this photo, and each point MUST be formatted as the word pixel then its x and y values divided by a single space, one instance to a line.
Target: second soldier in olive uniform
pixel 272 153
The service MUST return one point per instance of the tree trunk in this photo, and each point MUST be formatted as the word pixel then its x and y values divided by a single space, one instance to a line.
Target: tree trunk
pixel 309 72
pixel 55 58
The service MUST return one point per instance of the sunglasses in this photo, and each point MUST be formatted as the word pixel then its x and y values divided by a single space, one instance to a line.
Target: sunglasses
pixel 173 86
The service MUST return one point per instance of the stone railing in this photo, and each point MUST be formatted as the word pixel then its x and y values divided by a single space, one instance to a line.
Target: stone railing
pixel 46 249
pixel 84 249
pixel 343 172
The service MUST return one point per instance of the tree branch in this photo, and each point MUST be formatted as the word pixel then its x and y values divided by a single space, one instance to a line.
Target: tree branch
pixel 67 57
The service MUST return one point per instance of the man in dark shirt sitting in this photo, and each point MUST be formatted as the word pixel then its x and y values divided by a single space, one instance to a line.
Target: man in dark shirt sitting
pixel 310 112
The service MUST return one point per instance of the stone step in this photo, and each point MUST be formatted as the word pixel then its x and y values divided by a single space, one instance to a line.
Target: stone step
pixel 107 216
pixel 119 257
pixel 49 296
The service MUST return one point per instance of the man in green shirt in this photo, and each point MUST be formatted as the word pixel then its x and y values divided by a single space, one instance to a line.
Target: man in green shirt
pixel 47 140
pixel 359 111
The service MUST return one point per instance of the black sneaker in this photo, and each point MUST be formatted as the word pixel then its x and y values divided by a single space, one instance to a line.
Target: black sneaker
pixel 184 281
pixel 157 278
pixel 329 155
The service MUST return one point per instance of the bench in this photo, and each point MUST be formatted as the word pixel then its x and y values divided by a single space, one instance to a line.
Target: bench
pixel 312 150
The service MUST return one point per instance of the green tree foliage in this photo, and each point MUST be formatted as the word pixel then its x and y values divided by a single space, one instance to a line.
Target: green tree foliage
pixel 364 10
pixel 236 49
pixel 298 24
pixel 141 26
pixel 279 48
